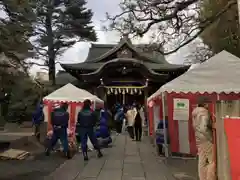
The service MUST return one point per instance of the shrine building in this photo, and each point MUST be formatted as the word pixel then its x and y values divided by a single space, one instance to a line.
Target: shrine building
pixel 123 72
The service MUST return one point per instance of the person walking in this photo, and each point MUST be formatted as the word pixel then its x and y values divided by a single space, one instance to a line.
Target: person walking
pixel 139 122
pixel 119 118
pixel 59 121
pixel 202 125
pixel 37 119
pixel 86 121
pixel 103 132
pixel 130 117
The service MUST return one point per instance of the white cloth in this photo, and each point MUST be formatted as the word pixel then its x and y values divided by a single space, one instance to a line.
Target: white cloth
pixel 203 134
pixel 201 120
pixel 130 116
pixel 89 144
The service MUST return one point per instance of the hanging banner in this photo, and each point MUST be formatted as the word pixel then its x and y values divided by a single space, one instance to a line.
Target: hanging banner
pixel 181 109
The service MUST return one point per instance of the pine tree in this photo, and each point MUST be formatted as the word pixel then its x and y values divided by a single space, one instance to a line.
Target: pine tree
pixel 60 23
pixel 16 28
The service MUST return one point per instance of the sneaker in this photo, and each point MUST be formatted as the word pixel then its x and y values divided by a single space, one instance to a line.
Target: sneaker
pixel 68 155
pixel 100 154
pixel 47 152
pixel 79 150
pixel 85 158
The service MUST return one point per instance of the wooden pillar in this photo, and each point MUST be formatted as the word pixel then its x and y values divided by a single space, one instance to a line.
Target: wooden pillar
pixel 145 96
pixel 102 93
pixel 146 89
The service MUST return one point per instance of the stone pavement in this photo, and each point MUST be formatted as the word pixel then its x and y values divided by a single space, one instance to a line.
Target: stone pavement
pixel 126 160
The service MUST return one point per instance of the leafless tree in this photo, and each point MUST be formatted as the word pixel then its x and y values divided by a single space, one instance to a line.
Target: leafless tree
pixel 172 22
pixel 198 53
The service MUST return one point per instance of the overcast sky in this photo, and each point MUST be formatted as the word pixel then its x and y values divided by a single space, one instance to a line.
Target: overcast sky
pixel 79 51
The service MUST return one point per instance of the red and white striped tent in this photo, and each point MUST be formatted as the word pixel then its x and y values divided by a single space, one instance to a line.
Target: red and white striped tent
pixel 74 97
pixel 217 78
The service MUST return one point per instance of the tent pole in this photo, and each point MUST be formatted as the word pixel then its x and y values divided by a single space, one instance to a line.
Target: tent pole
pixel 94 105
pixel 164 126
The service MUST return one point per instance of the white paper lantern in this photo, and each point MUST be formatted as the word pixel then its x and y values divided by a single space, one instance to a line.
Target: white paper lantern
pixel 119 91
pixel 135 90
pixel 131 91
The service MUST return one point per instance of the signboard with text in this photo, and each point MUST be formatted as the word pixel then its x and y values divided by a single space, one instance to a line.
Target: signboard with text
pixel 181 109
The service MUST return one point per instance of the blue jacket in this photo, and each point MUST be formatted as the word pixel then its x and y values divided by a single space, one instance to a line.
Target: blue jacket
pixel 119 116
pixel 60 117
pixel 160 132
pixel 86 119
pixel 103 131
pixel 38 115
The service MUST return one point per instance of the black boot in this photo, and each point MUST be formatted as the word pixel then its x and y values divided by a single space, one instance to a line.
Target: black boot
pixel 68 154
pixel 47 152
pixel 85 156
pixel 99 153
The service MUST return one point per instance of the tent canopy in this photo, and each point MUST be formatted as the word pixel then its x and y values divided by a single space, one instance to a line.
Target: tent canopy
pixel 219 74
pixel 70 93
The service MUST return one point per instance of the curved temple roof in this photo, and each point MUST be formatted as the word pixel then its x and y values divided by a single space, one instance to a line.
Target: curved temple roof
pixel 101 56
pixel 98 52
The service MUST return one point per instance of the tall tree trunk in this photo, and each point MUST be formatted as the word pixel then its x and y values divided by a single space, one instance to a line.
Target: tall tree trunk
pixel 52 69
pixel 51 51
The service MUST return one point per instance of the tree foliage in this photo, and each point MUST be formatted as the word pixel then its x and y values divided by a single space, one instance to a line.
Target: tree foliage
pixel 22 91
pixel 59 24
pixel 175 22
pixel 36 27
pixel 16 29
pixel 223 33
pixel 198 53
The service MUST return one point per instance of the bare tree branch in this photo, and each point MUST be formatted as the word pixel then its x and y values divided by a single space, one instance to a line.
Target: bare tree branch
pixel 169 21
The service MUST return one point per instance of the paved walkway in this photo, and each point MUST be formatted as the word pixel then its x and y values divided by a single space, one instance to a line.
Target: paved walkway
pixel 126 160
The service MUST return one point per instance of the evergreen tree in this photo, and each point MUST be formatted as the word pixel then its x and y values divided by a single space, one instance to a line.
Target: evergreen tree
pixel 60 23
pixel 16 29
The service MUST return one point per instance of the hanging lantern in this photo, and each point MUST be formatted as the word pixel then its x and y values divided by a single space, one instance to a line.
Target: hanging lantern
pixel 131 91
pixel 123 91
pixel 127 90
pixel 111 90
pixel 119 91
pixel 140 92
pixel 135 90
pixel 116 92
pixel 108 91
